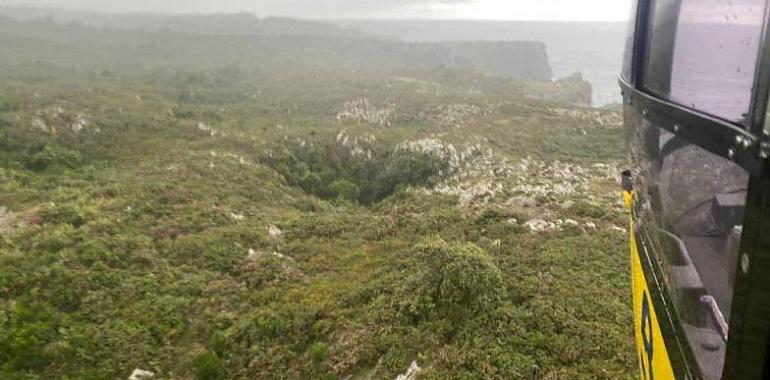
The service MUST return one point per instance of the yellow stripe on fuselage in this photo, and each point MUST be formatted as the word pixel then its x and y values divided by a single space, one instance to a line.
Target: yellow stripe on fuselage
pixel 654 361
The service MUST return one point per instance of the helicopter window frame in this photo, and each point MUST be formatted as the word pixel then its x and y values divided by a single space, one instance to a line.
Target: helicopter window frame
pixel 740 143
pixel 660 47
pixel 627 71
pixel 748 353
pixel 704 54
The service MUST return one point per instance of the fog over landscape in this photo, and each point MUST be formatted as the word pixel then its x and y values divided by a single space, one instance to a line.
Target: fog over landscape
pixel 297 189
pixel 585 37
pixel 561 10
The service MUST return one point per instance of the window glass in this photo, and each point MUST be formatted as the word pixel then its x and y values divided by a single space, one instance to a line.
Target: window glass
pixel 703 54
pixel 628 55
pixel 715 57
pixel 692 218
pixel 660 47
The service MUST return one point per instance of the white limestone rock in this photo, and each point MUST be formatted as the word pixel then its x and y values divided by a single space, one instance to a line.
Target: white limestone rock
pixel 274 232
pixel 411 373
pixel 140 374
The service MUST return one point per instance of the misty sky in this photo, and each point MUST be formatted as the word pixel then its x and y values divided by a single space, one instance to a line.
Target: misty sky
pixel 582 10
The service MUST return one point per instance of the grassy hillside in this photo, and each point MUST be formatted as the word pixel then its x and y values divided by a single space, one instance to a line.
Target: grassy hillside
pixel 296 222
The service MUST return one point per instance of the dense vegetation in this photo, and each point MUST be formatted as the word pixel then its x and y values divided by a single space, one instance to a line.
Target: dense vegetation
pixel 332 171
pixel 226 221
pixel 72 44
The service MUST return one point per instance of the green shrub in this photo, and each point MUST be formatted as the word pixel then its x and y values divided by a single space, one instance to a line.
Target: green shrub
pixel 54 156
pixel 344 189
pixel 218 343
pixel 209 367
pixel 270 325
pixel 587 210
pixel 455 281
pixel 318 352
pixel 207 251
pixel 25 332
pixel 491 217
pixel 267 269
pixel 493 224
pixel 65 214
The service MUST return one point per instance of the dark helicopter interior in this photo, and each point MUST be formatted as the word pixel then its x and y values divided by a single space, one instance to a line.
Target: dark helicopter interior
pixel 697 201
pixel 695 87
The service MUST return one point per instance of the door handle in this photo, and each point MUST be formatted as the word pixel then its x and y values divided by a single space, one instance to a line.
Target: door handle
pixel 716 316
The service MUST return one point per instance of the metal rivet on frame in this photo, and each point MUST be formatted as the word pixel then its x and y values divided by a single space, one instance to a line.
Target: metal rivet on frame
pixel 731 153
pixel 747 143
pixel 764 151
pixel 745 263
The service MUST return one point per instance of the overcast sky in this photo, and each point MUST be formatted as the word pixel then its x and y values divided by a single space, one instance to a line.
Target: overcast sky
pixel 583 10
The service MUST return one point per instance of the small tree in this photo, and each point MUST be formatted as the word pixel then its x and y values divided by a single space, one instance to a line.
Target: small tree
pixel 455 281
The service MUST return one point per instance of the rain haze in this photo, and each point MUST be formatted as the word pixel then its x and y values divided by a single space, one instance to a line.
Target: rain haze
pixel 583 37
pixel 589 10
pixel 325 190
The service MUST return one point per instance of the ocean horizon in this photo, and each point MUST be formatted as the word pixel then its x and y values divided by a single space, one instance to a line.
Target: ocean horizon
pixel 594 49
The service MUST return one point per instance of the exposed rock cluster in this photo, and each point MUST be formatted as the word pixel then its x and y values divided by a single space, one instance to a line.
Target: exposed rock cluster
pixel 140 374
pixel 605 118
pixel 558 179
pixel 411 373
pixel 210 131
pixel 541 225
pixel 56 120
pixel 274 232
pixel 480 176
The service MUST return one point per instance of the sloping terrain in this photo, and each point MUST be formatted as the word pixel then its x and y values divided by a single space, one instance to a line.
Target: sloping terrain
pixel 306 223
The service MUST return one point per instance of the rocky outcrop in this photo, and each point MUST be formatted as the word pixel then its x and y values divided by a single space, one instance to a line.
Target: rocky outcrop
pixel 575 89
pixel 523 60
pixel 411 372
pixel 510 59
pixel 572 90
pixel 140 374
pixel 274 233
